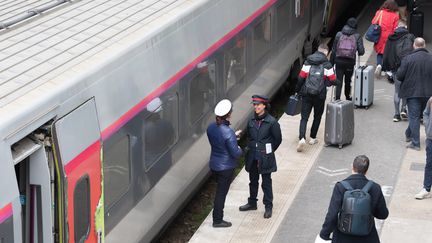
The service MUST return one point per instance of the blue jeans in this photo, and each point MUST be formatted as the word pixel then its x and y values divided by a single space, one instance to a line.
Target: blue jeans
pixel 427 182
pixel 415 109
pixel 379 59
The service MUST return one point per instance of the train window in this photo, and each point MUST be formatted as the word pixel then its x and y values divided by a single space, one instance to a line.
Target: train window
pixel 202 91
pixel 160 129
pixel 235 63
pixel 116 170
pixel 261 38
pixel 283 19
pixel 82 209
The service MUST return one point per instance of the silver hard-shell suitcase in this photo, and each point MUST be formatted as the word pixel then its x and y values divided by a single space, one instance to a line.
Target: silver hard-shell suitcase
pixel 364 86
pixel 339 123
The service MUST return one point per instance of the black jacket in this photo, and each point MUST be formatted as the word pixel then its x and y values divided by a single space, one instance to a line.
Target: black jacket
pixel 316 58
pixel 268 132
pixel 415 73
pixel 398 45
pixel 347 30
pixel 380 211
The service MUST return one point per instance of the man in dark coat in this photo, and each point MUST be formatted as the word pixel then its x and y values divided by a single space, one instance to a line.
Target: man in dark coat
pixel 264 137
pixel 398 45
pixel 357 181
pixel 345 64
pixel 315 68
pixel 415 73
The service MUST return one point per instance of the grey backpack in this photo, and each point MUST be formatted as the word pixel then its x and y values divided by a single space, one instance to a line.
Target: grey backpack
pixel 314 83
pixel 355 217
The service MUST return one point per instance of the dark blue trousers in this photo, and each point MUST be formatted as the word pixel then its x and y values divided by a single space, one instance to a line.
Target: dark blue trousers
pixel 266 186
pixel 223 179
pixel 415 109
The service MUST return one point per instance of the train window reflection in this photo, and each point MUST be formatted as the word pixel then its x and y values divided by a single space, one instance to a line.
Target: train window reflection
pixel 283 19
pixel 235 63
pixel 160 129
pixel 261 38
pixel 202 91
pixel 116 170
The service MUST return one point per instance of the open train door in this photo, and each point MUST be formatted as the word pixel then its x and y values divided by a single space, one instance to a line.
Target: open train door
pixel 77 152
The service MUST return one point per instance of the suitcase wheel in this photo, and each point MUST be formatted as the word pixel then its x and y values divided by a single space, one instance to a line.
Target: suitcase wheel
pixel 326 145
pixel 367 107
pixel 340 146
pixel 355 107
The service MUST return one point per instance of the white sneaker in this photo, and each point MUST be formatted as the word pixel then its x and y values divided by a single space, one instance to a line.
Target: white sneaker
pixel 313 141
pixel 422 194
pixel 301 145
pixel 378 71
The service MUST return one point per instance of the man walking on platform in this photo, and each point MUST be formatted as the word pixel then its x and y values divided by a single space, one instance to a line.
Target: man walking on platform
pixel 264 137
pixel 427 180
pixel 345 47
pixel 399 44
pixel 347 230
pixel 316 74
pixel 415 73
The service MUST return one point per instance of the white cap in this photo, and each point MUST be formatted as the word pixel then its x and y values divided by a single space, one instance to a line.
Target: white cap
pixel 155 105
pixel 223 107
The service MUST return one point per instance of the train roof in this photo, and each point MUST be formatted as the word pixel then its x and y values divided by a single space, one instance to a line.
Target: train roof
pixel 51 50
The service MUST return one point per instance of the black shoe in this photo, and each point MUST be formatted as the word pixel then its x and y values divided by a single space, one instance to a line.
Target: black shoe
pixel 397 118
pixel 247 207
pixel 222 224
pixel 349 98
pixel 404 115
pixel 268 213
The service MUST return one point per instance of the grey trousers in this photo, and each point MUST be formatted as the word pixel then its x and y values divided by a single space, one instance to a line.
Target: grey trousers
pixel 397 100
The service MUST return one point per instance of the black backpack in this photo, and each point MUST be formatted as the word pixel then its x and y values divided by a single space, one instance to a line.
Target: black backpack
pixel 355 216
pixel 404 46
pixel 315 81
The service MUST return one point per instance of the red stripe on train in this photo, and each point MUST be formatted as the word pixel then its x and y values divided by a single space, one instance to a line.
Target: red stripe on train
pixel 110 130
pixel 5 212
pixel 83 156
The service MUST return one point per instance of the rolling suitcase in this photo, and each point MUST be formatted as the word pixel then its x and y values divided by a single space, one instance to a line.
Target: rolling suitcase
pixel 364 86
pixel 416 23
pixel 339 123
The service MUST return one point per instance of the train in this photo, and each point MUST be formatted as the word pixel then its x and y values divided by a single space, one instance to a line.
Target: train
pixel 104 105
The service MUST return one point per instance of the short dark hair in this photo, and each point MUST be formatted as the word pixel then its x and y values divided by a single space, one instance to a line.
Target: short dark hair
pixel 390 5
pixel 361 164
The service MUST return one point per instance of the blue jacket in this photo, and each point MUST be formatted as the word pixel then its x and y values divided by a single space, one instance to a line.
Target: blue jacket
pixel 224 148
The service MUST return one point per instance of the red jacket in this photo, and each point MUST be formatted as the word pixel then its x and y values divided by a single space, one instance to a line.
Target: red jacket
pixel 388 22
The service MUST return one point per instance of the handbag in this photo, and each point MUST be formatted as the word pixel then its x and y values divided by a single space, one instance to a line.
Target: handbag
pixel 293 106
pixel 373 33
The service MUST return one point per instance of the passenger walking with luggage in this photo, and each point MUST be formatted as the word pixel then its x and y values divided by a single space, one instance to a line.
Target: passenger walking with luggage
pixel 427 180
pixel 415 73
pixel 399 44
pixel 223 158
pixel 387 18
pixel 264 137
pixel 365 200
pixel 316 74
pixel 345 47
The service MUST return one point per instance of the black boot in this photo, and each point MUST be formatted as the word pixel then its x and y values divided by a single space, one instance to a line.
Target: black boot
pixel 247 207
pixel 268 213
pixel 222 224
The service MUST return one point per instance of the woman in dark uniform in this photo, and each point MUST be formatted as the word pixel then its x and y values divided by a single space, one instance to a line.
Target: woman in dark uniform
pixel 264 137
pixel 223 158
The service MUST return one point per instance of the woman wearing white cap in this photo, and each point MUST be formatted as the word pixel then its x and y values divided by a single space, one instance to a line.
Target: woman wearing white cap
pixel 223 159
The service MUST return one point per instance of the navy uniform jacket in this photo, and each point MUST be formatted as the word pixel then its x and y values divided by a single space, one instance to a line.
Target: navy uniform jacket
pixel 380 211
pixel 268 132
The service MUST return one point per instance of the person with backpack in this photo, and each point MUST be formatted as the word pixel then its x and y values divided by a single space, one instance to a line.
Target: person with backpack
pixel 399 44
pixel 345 47
pixel 316 74
pixel 354 204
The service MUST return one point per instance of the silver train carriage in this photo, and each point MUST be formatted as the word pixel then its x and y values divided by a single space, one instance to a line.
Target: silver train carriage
pixel 104 106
